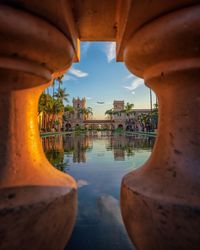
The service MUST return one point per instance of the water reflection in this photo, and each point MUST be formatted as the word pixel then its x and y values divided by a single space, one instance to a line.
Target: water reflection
pixel 56 147
pixel 98 162
pixel 78 146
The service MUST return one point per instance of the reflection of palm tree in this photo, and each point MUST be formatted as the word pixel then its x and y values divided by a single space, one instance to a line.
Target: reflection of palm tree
pixel 129 148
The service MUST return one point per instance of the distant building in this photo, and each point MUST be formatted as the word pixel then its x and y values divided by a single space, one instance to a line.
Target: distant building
pixel 77 105
pixel 118 119
pixel 75 118
pixel 127 121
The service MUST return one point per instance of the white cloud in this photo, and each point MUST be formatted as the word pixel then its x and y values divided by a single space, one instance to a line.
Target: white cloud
pixel 68 78
pixel 84 47
pixel 111 207
pixel 136 83
pixel 82 183
pixel 110 51
pixel 78 73
pixel 130 76
pixel 88 98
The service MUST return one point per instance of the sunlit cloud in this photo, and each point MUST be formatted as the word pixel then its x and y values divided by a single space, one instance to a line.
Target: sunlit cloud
pixel 82 183
pixel 78 73
pixel 110 51
pixel 136 83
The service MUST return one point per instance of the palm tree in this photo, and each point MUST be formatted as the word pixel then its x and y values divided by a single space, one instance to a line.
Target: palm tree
pixel 128 109
pixel 44 107
pixel 110 113
pixel 154 116
pixel 85 112
pixel 68 111
pixel 150 94
pixel 56 109
pixel 88 112
pixel 53 86
pixel 59 79
pixel 61 95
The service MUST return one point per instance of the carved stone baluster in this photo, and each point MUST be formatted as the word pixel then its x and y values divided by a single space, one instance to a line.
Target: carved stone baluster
pixel 37 202
pixel 160 201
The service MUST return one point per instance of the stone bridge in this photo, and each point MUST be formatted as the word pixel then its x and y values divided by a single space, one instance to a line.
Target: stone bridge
pixel 109 124
pixel 98 121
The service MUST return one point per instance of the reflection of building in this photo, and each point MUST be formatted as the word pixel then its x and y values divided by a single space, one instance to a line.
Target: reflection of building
pixel 125 146
pixel 77 145
pixel 117 144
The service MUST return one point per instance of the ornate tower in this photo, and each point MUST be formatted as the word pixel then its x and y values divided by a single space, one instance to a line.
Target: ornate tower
pixel 77 105
pixel 118 105
pixel 119 117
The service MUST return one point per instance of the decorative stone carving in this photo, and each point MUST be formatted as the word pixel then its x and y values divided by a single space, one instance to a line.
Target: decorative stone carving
pixel 160 201
pixel 38 202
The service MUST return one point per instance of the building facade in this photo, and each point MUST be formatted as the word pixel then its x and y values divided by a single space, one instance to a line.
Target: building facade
pixel 75 117
pixel 119 119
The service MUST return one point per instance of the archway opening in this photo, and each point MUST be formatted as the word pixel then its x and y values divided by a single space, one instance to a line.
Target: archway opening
pixel 100 147
pixel 68 126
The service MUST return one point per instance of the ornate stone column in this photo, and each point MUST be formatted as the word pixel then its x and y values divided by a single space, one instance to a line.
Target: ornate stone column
pixel 37 202
pixel 160 201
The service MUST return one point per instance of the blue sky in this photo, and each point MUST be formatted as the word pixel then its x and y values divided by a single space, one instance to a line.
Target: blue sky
pixel 99 78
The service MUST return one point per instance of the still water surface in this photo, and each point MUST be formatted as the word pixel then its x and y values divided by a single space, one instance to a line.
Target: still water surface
pixel 98 162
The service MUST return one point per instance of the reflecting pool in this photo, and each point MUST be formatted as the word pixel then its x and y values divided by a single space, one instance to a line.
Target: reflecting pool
pixel 98 161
